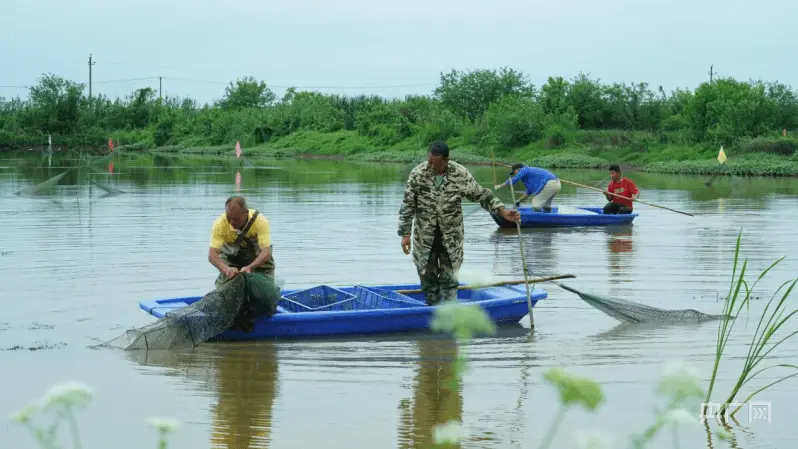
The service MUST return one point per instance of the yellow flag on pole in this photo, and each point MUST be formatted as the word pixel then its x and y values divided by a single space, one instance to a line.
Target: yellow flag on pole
pixel 721 155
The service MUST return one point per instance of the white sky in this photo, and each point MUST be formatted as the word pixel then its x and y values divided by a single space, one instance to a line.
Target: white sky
pixel 355 44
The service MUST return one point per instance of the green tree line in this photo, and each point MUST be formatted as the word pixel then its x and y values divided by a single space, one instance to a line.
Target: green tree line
pixel 498 108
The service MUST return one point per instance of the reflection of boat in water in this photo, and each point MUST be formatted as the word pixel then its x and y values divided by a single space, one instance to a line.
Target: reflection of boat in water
pixel 244 378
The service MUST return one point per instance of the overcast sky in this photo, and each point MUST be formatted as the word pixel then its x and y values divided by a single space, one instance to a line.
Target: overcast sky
pixel 389 48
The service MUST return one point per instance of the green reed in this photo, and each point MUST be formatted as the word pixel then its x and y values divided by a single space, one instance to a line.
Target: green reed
pixel 760 340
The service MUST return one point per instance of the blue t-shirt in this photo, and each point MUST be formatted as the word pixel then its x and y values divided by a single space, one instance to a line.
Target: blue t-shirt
pixel 534 179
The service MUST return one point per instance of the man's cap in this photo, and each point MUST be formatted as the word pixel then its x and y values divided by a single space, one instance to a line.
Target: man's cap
pixel 515 167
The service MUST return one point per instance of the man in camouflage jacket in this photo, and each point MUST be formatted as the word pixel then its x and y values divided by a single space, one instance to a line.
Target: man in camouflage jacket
pixel 432 202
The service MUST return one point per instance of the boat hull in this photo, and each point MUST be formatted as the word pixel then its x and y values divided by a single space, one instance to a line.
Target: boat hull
pixel 504 305
pixel 532 219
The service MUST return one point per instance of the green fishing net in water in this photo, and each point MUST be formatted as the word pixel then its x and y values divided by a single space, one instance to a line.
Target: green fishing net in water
pixel 232 306
pixel 632 312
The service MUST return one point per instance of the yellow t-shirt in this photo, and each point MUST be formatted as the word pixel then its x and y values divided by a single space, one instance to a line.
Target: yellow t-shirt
pixel 222 232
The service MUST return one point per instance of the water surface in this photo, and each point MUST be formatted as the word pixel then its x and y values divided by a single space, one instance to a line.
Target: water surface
pixel 76 262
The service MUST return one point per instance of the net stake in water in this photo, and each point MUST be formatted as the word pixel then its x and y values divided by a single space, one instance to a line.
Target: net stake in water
pixel 523 263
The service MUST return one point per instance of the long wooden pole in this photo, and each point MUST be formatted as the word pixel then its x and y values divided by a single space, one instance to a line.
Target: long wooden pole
pixel 614 194
pixel 523 264
pixel 493 160
pixel 499 284
pixel 624 197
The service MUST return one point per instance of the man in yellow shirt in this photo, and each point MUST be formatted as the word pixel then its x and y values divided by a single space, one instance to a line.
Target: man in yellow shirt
pixel 240 242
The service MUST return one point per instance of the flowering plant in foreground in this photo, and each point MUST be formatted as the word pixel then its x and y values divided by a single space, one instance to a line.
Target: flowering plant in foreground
pixel 60 403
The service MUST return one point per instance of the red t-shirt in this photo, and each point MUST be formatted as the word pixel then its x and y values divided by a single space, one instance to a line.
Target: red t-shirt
pixel 624 188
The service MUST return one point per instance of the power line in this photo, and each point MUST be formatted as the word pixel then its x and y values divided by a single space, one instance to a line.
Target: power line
pixel 189 80
pixel 126 80
pixel 303 87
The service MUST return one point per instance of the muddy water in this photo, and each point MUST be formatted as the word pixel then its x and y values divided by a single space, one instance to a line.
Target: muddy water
pixel 75 262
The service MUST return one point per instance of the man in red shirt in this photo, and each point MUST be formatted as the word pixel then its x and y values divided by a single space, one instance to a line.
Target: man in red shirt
pixel 620 186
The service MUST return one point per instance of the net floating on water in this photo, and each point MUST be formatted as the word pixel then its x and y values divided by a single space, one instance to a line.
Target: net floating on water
pixel 233 305
pixel 632 312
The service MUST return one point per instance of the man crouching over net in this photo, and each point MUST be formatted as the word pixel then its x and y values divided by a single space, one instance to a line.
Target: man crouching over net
pixel 240 242
pixel 245 287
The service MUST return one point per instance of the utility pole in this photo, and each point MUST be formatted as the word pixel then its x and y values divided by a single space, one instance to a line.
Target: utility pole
pixel 711 72
pixel 90 64
pixel 160 88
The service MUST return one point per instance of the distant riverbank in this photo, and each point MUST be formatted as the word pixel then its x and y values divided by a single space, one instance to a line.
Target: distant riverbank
pixel 594 151
pixel 587 150
pixel 577 123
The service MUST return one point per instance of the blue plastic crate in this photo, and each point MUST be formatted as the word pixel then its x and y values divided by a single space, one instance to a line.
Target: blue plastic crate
pixel 314 298
pixel 371 298
pixel 341 306
pixel 392 294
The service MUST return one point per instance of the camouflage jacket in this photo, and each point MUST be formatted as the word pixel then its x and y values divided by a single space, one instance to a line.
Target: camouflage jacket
pixel 424 206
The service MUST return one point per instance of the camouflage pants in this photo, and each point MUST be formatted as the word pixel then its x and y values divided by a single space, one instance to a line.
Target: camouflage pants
pixel 241 256
pixel 438 279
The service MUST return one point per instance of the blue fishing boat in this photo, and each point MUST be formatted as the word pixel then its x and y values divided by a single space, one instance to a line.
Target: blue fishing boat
pixel 360 310
pixel 579 216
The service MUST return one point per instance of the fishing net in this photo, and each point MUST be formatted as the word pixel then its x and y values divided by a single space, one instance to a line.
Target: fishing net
pixel 632 312
pixel 52 182
pixel 232 306
pixel 108 189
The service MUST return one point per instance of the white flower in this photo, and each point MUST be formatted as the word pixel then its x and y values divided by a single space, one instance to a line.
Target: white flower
pixel 24 415
pixel 68 393
pixel 163 424
pixel 681 370
pixel 678 416
pixel 463 320
pixel 593 439
pixel 449 432
pixel 475 277
pixel 681 381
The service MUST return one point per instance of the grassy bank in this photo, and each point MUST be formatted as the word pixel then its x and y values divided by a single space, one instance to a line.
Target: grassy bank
pixel 754 157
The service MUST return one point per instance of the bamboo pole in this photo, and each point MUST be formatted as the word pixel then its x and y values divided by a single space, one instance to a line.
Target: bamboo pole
pixel 624 197
pixel 523 264
pixel 499 284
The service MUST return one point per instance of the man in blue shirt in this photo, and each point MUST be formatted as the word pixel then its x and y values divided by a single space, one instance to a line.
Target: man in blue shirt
pixel 539 182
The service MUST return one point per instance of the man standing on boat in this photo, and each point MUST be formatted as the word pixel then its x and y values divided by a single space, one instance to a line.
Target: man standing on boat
pixel 240 242
pixel 541 183
pixel 620 186
pixel 432 208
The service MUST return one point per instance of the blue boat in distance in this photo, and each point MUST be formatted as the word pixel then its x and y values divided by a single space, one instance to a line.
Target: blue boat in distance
pixel 360 310
pixel 590 216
